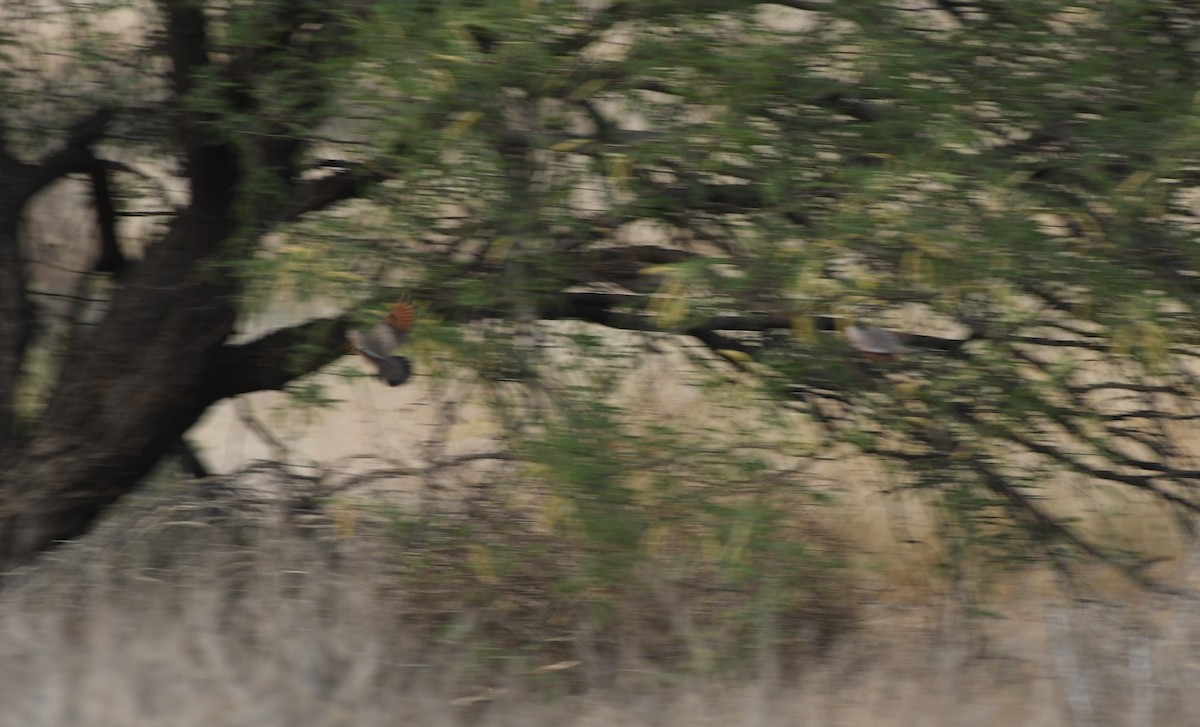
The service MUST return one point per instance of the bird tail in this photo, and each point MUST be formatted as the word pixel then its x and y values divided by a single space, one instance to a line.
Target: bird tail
pixel 395 370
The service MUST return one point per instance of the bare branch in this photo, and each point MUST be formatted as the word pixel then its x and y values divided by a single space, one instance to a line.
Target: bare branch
pixel 190 460
pixel 316 194
pixel 246 414
pixel 394 472
pixel 1026 506
pixel 111 259
pixel 276 359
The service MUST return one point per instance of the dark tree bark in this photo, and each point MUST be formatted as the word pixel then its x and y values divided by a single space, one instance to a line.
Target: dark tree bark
pixel 131 386
pixel 19 182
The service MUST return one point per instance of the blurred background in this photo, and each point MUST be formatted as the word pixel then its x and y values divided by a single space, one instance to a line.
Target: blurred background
pixel 774 363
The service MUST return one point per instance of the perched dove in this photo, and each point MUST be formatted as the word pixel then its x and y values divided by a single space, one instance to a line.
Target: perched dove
pixel 877 344
pixel 376 345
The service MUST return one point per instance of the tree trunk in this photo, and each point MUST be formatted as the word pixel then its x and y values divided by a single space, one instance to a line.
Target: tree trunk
pixel 128 390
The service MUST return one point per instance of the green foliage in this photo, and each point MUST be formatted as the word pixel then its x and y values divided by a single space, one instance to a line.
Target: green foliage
pixel 1009 180
pixel 676 546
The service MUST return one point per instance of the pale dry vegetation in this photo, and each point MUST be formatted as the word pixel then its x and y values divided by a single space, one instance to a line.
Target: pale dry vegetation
pixel 227 602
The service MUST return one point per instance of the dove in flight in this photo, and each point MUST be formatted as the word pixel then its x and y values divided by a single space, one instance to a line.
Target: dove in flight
pixel 377 344
pixel 877 344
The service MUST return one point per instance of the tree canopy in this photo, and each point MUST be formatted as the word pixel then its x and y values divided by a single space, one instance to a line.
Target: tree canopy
pixel 1009 187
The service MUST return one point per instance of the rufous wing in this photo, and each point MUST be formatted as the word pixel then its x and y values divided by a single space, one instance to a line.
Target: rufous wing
pixel 376 344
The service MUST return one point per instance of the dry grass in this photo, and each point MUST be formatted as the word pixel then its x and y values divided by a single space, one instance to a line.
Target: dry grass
pixel 210 608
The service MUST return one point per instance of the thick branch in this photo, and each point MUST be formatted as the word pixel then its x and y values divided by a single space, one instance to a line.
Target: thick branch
pixel 292 39
pixel 625 265
pixel 212 164
pixel 132 385
pixel 317 194
pixel 811 5
pixel 18 183
pixel 187 42
pixel 190 460
pixel 15 325
pixel 26 180
pixel 620 310
pixel 276 359
pixel 111 259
